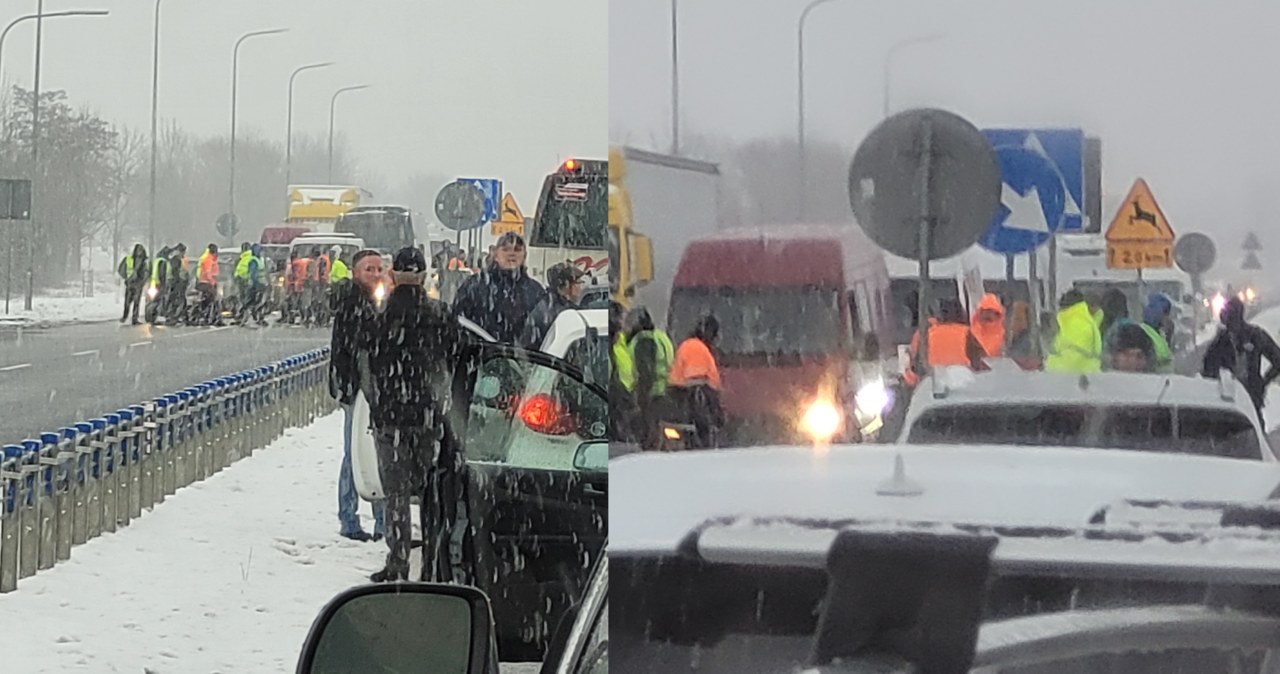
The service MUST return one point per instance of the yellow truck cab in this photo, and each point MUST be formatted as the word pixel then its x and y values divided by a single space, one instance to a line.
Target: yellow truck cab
pixel 630 252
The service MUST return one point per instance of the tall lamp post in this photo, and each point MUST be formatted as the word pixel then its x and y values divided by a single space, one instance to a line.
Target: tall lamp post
pixel 288 134
pixel 675 80
pixel 235 70
pixel 802 181
pixel 155 93
pixel 39 17
pixel 333 102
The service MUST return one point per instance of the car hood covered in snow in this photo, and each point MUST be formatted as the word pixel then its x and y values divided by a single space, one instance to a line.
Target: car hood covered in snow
pixel 658 499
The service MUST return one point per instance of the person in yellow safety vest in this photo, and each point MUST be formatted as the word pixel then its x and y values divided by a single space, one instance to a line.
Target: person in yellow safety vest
pixel 340 269
pixel 133 271
pixel 1078 344
pixel 652 354
pixel 159 279
pixel 241 280
pixel 622 381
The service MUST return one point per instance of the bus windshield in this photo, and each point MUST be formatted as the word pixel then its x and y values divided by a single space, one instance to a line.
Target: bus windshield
pixel 573 210
pixel 381 229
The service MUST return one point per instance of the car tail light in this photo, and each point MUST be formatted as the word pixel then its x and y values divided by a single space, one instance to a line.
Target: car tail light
pixel 543 414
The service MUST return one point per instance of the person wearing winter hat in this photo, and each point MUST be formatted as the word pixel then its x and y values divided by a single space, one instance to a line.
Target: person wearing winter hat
pixel 415 352
pixel 564 291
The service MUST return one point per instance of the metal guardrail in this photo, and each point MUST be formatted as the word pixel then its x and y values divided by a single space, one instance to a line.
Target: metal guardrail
pixel 95 477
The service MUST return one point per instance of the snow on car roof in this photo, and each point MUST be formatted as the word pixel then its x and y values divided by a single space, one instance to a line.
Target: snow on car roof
pixel 660 498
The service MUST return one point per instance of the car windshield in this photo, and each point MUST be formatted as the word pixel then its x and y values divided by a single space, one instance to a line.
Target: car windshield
pixel 1210 432
pixel 759 322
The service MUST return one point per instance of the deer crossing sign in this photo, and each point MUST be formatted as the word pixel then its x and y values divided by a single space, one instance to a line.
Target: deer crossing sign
pixel 1139 236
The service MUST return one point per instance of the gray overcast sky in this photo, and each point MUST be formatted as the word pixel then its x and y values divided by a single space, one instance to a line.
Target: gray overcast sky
pixel 485 88
pixel 1182 92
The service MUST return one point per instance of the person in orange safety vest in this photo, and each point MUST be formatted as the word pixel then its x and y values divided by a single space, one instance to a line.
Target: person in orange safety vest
pixel 207 271
pixel 951 342
pixel 988 325
pixel 694 383
pixel 295 282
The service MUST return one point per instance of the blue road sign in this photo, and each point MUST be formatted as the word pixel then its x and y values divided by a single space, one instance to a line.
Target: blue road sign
pixel 1065 149
pixel 492 190
pixel 1032 201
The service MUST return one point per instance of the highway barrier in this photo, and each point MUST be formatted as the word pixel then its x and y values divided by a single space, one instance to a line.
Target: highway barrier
pixel 71 486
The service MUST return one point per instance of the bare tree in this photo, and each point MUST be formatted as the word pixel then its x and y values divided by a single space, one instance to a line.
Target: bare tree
pixel 128 193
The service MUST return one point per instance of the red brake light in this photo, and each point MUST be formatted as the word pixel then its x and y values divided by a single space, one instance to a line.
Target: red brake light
pixel 543 414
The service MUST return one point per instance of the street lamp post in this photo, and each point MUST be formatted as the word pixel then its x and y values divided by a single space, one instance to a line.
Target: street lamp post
pixel 39 17
pixel 155 92
pixel 288 134
pixel 675 80
pixel 333 102
pixel 894 49
pixel 235 70
pixel 802 181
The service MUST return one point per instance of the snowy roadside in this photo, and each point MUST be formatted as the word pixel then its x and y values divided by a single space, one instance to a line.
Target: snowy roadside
pixel 65 305
pixel 226 576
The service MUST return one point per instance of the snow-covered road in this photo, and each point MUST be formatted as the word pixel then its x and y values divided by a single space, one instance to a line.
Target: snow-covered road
pixel 225 576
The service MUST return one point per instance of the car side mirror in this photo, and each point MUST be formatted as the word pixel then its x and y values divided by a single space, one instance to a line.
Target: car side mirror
pixel 401 627
pixel 592 456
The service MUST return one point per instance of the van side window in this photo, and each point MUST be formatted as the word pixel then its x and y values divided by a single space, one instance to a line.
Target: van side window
pixel 855 315
pixel 864 312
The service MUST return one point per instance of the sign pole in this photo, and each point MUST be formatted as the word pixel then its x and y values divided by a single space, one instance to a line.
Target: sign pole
pixel 1052 281
pixel 1033 291
pixel 926 225
pixel 1008 268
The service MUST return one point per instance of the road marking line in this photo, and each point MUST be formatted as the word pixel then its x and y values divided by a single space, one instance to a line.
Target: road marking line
pixel 147 343
pixel 202 332
pixel 15 367
pixel 90 352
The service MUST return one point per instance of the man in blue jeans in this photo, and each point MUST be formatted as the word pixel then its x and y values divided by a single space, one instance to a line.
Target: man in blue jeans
pixel 354 324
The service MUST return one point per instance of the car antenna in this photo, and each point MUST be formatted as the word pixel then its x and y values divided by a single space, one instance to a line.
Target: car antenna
pixel 1164 389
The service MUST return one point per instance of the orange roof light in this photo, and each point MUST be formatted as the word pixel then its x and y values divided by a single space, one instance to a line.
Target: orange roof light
pixel 570 165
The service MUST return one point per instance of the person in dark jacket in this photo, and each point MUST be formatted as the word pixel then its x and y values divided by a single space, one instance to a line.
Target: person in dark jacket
pixel 354 327
pixel 564 290
pixel 500 298
pixel 176 288
pixel 134 272
pixel 412 362
pixel 1239 348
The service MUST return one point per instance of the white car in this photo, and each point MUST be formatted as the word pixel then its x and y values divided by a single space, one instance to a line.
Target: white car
pixel 728 559
pixel 1111 410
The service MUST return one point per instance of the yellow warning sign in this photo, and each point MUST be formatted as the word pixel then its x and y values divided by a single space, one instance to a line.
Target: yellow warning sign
pixel 510 218
pixel 1139 236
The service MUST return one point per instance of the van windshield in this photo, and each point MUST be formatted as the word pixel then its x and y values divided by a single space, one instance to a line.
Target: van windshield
pixel 754 322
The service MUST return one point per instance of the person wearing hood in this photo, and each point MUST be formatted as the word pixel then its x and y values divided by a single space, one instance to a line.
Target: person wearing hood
pixel 564 291
pixel 500 298
pixel 1020 344
pixel 987 325
pixel 412 361
pixel 1117 347
pixel 694 383
pixel 1115 308
pixel 1159 315
pixel 653 354
pixel 256 283
pixel 1239 348
pixel 1078 345
pixel 133 271
pixel 176 290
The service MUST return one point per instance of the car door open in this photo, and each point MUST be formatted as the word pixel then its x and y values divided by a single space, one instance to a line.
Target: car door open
pixel 535 488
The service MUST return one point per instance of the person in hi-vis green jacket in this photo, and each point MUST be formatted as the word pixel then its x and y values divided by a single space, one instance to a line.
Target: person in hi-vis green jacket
pixel 1078 344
